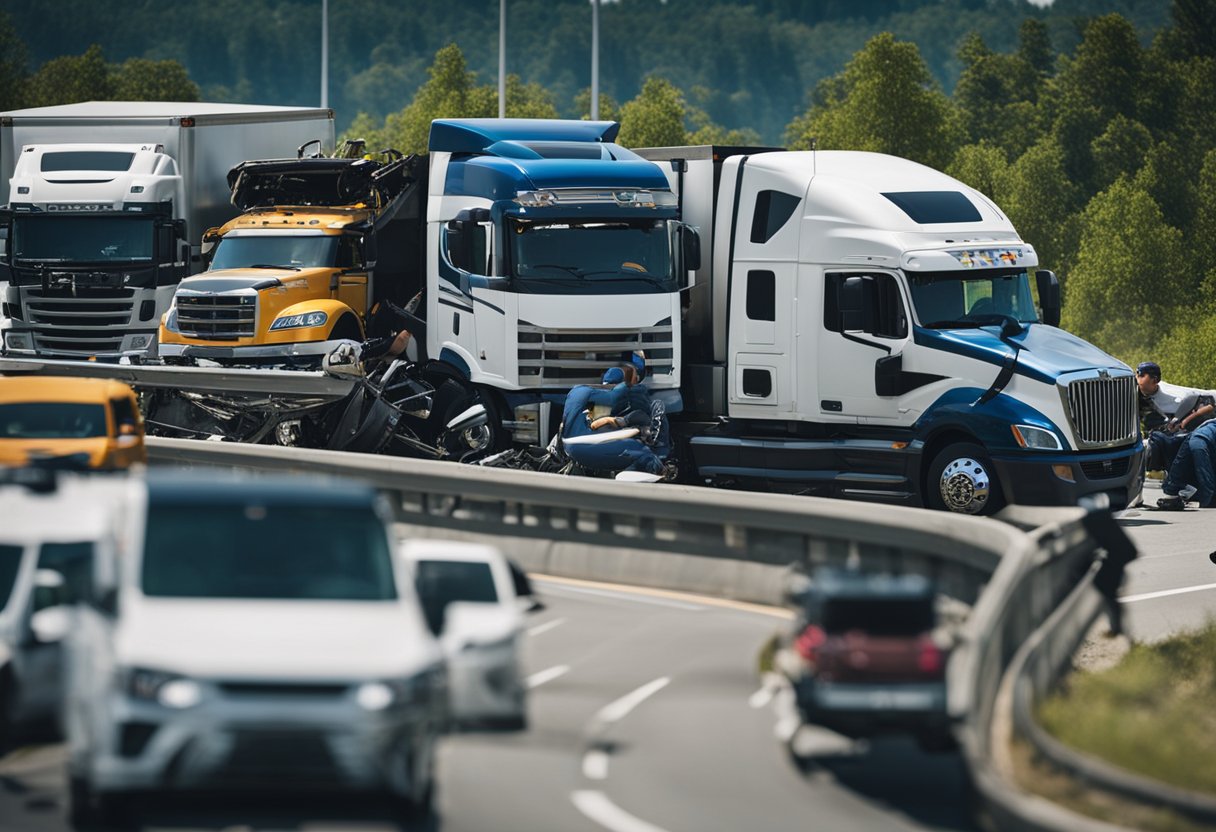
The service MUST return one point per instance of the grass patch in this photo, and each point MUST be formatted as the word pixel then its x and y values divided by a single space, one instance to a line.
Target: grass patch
pixel 1153 714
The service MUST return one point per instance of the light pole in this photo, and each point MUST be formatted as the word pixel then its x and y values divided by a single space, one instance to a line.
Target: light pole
pixel 502 58
pixel 325 53
pixel 595 60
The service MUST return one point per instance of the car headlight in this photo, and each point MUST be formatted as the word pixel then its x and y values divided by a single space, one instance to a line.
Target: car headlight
pixel 168 689
pixel 295 321
pixel 18 341
pixel 1036 439
pixel 396 693
pixel 171 318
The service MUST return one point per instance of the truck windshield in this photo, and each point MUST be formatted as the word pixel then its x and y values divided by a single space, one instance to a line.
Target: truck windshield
pixel 80 238
pixel 593 257
pixel 946 300
pixel 279 552
pixel 52 420
pixel 288 251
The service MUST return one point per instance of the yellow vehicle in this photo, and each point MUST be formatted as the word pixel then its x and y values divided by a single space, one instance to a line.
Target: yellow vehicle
pixel 319 243
pixel 75 422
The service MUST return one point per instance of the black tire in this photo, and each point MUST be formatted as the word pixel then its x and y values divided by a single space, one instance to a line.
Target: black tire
pixel 476 443
pixel 962 479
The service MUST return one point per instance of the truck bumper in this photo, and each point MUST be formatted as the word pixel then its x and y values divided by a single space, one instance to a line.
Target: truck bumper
pixel 306 354
pixel 1064 479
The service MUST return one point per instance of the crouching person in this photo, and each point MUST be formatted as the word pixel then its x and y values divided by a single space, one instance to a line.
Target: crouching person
pixel 1192 476
pixel 606 443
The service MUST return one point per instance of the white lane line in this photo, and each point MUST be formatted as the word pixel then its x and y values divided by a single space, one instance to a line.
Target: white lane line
pixel 539 678
pixel 595 764
pixel 596 806
pixel 1146 596
pixel 546 627
pixel 618 710
pixel 559 589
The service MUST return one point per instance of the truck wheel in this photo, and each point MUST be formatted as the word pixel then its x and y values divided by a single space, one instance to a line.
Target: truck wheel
pixel 962 479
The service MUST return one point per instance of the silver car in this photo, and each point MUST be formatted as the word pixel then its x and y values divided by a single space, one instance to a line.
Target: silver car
pixel 257 635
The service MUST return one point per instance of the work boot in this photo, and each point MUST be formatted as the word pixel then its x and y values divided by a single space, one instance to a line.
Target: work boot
pixel 1170 503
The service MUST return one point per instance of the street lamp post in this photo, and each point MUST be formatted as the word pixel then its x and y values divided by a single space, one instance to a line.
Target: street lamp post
pixel 595 60
pixel 502 58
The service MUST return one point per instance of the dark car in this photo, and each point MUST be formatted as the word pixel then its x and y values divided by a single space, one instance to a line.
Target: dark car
pixel 868 656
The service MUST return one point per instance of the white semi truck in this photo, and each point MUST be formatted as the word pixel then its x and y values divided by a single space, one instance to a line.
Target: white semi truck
pixel 864 326
pixel 106 203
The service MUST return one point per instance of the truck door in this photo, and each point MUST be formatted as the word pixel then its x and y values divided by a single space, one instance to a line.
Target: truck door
pixel 865 328
pixel 762 297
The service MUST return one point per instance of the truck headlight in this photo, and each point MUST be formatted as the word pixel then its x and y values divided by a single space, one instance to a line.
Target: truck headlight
pixel 17 341
pixel 394 693
pixel 1036 439
pixel 295 321
pixel 168 689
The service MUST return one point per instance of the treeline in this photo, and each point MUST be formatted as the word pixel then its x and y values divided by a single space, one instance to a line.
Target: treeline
pixel 1103 153
pixel 746 65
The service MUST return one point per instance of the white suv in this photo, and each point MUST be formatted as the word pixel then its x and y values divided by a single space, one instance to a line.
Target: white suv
pixel 255 635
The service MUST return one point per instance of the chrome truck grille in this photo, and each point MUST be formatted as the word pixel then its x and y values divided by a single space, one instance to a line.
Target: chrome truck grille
pixel 217 317
pixel 566 357
pixel 91 323
pixel 1103 410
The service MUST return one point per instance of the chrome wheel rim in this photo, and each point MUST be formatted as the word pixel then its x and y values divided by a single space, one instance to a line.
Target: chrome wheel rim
pixel 965 486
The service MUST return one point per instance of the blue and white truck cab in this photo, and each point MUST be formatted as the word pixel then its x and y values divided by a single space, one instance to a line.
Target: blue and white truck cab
pixel 867 327
pixel 550 253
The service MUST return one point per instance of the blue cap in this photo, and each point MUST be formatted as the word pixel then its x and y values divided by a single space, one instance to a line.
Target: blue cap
pixel 1150 369
pixel 614 375
pixel 638 359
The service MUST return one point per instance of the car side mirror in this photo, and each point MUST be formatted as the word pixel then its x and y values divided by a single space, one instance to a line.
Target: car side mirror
pixel 51 625
pixel 1049 296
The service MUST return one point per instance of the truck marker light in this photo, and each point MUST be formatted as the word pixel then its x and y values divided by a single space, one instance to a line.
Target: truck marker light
pixel 898 446
pixel 1064 472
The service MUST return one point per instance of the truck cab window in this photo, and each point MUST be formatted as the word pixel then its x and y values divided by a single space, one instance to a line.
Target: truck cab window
pixel 972 298
pixel 773 210
pixel 467 247
pixel 348 253
pixel 881 311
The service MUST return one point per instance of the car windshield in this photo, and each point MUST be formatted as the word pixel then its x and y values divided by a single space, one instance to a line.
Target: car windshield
pixel 52 420
pixel 278 552
pixel 593 257
pixel 879 617
pixel 77 238
pixel 445 581
pixel 945 300
pixel 10 562
pixel 287 251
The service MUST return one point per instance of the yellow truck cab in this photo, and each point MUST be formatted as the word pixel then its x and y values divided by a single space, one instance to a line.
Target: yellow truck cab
pixel 73 422
pixel 319 242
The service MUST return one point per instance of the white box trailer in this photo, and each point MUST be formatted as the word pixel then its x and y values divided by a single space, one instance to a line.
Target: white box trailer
pixel 106 203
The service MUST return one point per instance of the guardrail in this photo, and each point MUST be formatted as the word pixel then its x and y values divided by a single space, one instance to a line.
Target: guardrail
pixel 1015 574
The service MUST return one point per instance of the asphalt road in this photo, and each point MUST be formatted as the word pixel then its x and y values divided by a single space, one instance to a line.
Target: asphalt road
pixel 647 716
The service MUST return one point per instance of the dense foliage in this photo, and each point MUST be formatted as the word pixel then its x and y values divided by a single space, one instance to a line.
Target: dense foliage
pixel 1093 132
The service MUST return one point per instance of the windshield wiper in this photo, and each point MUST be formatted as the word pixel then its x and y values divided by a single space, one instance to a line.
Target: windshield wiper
pixel 270 266
pixel 574 270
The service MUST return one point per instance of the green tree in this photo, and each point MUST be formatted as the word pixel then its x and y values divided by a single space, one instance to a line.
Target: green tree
pixel 1041 201
pixel 885 101
pixel 1195 26
pixel 609 109
pixel 655 118
pixel 71 78
pixel 1120 150
pixel 1129 274
pixel 983 167
pixel 13 74
pixel 139 79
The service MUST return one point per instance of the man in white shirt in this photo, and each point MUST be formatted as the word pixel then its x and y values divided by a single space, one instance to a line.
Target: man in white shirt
pixel 1177 408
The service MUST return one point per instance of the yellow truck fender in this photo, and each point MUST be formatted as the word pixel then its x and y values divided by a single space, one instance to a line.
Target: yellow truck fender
pixel 340 321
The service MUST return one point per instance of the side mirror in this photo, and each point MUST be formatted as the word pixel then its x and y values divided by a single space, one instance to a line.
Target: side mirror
pixel 887 373
pixel 851 300
pixel 179 229
pixel 690 243
pixel 51 626
pixel 1049 296
pixel 796 588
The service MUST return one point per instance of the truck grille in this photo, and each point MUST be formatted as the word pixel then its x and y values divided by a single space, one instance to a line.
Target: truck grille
pixel 90 322
pixel 1103 410
pixel 566 357
pixel 217 317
